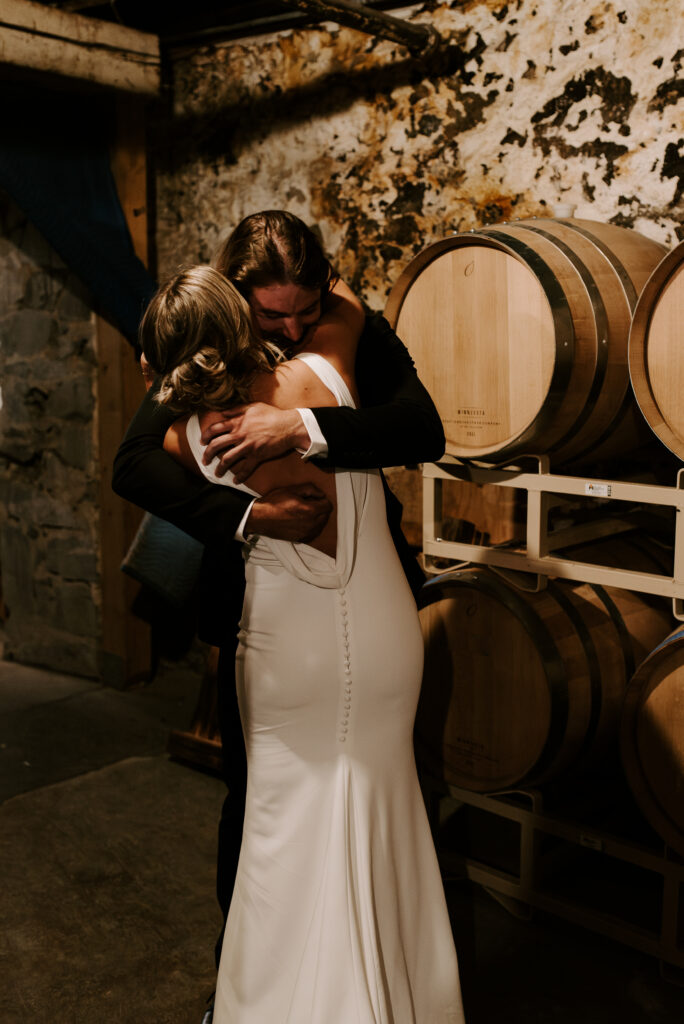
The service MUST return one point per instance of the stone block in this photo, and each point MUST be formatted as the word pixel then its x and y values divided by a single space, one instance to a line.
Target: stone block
pixel 43 290
pixel 75 302
pixel 22 406
pixel 72 398
pixel 53 649
pixel 76 611
pixel 23 503
pixel 72 557
pixel 22 431
pixel 38 249
pixel 8 252
pixel 16 446
pixel 27 332
pixel 45 602
pixel 67 606
pixel 14 276
pixel 77 339
pixel 62 481
pixel 17 557
pixel 46 371
pixel 74 444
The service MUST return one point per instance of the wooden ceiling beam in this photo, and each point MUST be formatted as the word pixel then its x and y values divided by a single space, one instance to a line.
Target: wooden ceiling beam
pixel 51 41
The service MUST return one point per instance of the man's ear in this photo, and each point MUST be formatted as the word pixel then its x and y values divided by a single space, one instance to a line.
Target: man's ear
pixel 147 372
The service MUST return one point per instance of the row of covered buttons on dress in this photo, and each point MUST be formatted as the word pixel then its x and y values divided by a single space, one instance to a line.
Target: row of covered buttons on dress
pixel 343 728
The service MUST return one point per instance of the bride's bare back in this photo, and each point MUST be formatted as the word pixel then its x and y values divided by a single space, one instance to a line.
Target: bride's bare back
pixel 292 385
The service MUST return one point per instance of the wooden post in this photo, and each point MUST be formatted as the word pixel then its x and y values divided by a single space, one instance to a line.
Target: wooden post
pixel 201 743
pixel 126 650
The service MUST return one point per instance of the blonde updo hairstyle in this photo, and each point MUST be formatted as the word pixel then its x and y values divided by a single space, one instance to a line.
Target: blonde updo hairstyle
pixel 197 335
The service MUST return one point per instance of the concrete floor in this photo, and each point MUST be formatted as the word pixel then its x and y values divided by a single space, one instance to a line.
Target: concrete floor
pixel 107 866
pixel 107 853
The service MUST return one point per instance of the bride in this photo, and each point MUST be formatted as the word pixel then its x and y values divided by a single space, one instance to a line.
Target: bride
pixel 338 914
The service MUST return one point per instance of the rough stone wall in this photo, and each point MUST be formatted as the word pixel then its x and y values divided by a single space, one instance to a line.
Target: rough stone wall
pixel 49 520
pixel 531 102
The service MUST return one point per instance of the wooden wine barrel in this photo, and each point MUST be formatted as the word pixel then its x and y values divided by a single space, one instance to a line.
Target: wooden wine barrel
pixel 520 687
pixel 652 738
pixel 635 550
pixel 656 354
pixel 520 334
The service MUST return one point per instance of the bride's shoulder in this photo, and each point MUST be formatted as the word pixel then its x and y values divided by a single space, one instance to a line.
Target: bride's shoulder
pixel 292 384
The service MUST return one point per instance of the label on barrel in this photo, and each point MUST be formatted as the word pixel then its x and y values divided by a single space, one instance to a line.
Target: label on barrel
pixel 472 421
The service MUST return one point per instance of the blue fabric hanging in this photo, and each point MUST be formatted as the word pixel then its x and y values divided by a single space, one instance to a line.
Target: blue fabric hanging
pixel 54 163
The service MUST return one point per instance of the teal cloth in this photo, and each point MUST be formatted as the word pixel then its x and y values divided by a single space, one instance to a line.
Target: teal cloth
pixel 164 559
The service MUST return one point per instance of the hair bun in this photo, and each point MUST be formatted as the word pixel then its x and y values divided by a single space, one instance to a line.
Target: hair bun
pixel 197 332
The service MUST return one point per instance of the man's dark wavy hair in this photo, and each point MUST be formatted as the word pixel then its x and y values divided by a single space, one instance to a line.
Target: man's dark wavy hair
pixel 274 246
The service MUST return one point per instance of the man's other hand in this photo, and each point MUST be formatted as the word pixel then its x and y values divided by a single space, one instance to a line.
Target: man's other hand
pixel 297 513
pixel 248 435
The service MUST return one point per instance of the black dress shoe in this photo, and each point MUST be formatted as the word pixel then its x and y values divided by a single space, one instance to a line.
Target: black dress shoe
pixel 209 1012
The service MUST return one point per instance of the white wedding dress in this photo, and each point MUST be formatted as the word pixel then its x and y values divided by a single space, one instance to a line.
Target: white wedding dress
pixel 338 914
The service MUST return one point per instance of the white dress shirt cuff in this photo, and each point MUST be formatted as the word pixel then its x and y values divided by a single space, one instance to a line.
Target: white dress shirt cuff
pixel 319 445
pixel 240 532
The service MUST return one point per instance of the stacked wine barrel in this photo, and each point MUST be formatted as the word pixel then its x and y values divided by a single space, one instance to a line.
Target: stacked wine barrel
pixel 520 334
pixel 522 686
pixel 526 335
pixel 656 351
pixel 652 738
pixel 652 727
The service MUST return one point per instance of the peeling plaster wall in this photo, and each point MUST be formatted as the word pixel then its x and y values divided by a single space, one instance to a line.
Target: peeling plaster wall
pixel 49 516
pixel 530 103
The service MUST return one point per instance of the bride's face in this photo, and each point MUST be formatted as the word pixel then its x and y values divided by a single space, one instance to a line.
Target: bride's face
pixel 284 312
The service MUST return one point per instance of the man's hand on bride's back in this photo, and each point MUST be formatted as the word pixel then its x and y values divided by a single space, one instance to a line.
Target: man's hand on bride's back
pixel 248 435
pixel 297 513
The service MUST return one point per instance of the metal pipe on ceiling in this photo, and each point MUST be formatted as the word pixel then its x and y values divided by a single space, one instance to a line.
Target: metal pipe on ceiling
pixel 420 40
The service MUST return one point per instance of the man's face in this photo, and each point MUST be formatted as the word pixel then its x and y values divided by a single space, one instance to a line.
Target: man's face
pixel 284 312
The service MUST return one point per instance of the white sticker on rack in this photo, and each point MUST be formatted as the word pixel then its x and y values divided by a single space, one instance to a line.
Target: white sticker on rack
pixel 594 490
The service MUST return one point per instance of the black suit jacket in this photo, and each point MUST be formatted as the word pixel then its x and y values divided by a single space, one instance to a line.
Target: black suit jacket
pixel 396 425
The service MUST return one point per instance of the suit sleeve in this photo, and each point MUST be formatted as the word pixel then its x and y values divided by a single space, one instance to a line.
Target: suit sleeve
pixel 397 423
pixel 146 475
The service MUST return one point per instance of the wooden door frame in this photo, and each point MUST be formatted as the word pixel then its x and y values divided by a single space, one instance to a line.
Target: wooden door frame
pixel 126 654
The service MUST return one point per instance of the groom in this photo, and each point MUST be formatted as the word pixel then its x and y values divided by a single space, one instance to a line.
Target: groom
pixel 278 265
